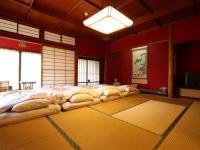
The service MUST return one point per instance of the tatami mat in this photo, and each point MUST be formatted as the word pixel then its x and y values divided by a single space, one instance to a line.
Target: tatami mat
pixel 118 105
pixel 153 116
pixel 186 134
pixel 178 101
pixel 131 100
pixel 93 130
pixel 110 107
pixel 37 134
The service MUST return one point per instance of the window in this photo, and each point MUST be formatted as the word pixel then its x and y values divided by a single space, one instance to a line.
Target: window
pixel 9 67
pixel 31 68
pixel 9 26
pixel 52 36
pixel 28 31
pixel 88 72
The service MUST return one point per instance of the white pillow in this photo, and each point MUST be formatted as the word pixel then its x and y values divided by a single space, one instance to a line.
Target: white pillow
pixel 110 92
pixel 80 98
pixel 31 104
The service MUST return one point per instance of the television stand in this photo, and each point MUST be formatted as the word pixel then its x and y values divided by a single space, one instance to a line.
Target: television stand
pixel 187 92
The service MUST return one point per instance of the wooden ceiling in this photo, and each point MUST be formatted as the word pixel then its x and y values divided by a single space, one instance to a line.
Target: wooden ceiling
pixel 67 15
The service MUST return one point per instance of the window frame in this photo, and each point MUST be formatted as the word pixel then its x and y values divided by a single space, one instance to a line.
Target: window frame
pixel 87 59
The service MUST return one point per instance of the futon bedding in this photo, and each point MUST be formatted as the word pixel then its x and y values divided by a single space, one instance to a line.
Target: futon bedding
pixel 22 105
pixel 7 118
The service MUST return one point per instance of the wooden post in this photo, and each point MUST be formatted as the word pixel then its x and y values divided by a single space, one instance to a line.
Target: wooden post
pixel 170 64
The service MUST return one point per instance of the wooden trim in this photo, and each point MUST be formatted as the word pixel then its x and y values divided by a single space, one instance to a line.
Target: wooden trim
pixel 20 63
pixel 170 64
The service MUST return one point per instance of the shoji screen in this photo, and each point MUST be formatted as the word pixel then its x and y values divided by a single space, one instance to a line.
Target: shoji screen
pixel 48 66
pixel 58 66
pixel 70 67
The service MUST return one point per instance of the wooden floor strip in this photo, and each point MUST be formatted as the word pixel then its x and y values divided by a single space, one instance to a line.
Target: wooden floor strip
pixel 64 134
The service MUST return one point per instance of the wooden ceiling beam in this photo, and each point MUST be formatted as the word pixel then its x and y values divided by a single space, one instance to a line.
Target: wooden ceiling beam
pixel 150 10
pixel 30 7
pixel 48 13
pixel 162 12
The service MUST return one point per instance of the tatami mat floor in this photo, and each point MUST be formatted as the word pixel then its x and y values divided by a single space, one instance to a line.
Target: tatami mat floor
pixel 94 128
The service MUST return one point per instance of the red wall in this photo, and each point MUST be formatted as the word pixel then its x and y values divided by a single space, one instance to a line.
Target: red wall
pixel 120 66
pixel 88 47
pixel 119 52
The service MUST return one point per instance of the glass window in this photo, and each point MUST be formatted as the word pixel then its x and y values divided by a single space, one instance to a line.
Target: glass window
pixel 31 68
pixel 88 72
pixel 9 67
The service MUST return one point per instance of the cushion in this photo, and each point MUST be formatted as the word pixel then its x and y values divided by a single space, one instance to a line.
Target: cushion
pixel 31 104
pixel 81 98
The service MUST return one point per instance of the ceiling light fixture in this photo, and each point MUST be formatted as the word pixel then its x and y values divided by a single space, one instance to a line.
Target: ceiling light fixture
pixel 108 20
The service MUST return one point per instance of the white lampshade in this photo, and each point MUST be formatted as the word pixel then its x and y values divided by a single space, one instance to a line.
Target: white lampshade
pixel 108 20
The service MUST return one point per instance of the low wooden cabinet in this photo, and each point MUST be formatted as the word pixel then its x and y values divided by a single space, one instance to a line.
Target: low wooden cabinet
pixel 186 92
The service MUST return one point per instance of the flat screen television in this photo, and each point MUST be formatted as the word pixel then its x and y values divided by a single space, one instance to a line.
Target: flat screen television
pixel 192 79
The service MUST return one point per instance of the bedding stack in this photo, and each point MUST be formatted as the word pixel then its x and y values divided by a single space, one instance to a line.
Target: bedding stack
pixel 109 93
pixel 128 90
pixel 76 97
pixel 18 106
pixel 115 92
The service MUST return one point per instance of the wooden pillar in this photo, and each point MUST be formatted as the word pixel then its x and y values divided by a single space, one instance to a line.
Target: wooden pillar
pixel 170 64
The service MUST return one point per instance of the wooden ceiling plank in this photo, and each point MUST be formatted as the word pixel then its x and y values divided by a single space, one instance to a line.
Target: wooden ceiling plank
pixel 162 12
pixel 93 4
pixel 150 10
pixel 48 13
pixel 69 12
pixel 196 11
pixel 124 4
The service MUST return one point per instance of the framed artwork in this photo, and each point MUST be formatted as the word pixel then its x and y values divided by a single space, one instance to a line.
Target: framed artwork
pixel 139 67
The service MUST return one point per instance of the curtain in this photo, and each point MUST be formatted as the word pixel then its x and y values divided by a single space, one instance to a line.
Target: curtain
pixel 9 67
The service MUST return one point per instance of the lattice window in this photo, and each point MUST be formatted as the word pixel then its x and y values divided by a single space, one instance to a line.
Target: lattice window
pixel 28 31
pixel 9 26
pixel 52 37
pixel 68 40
